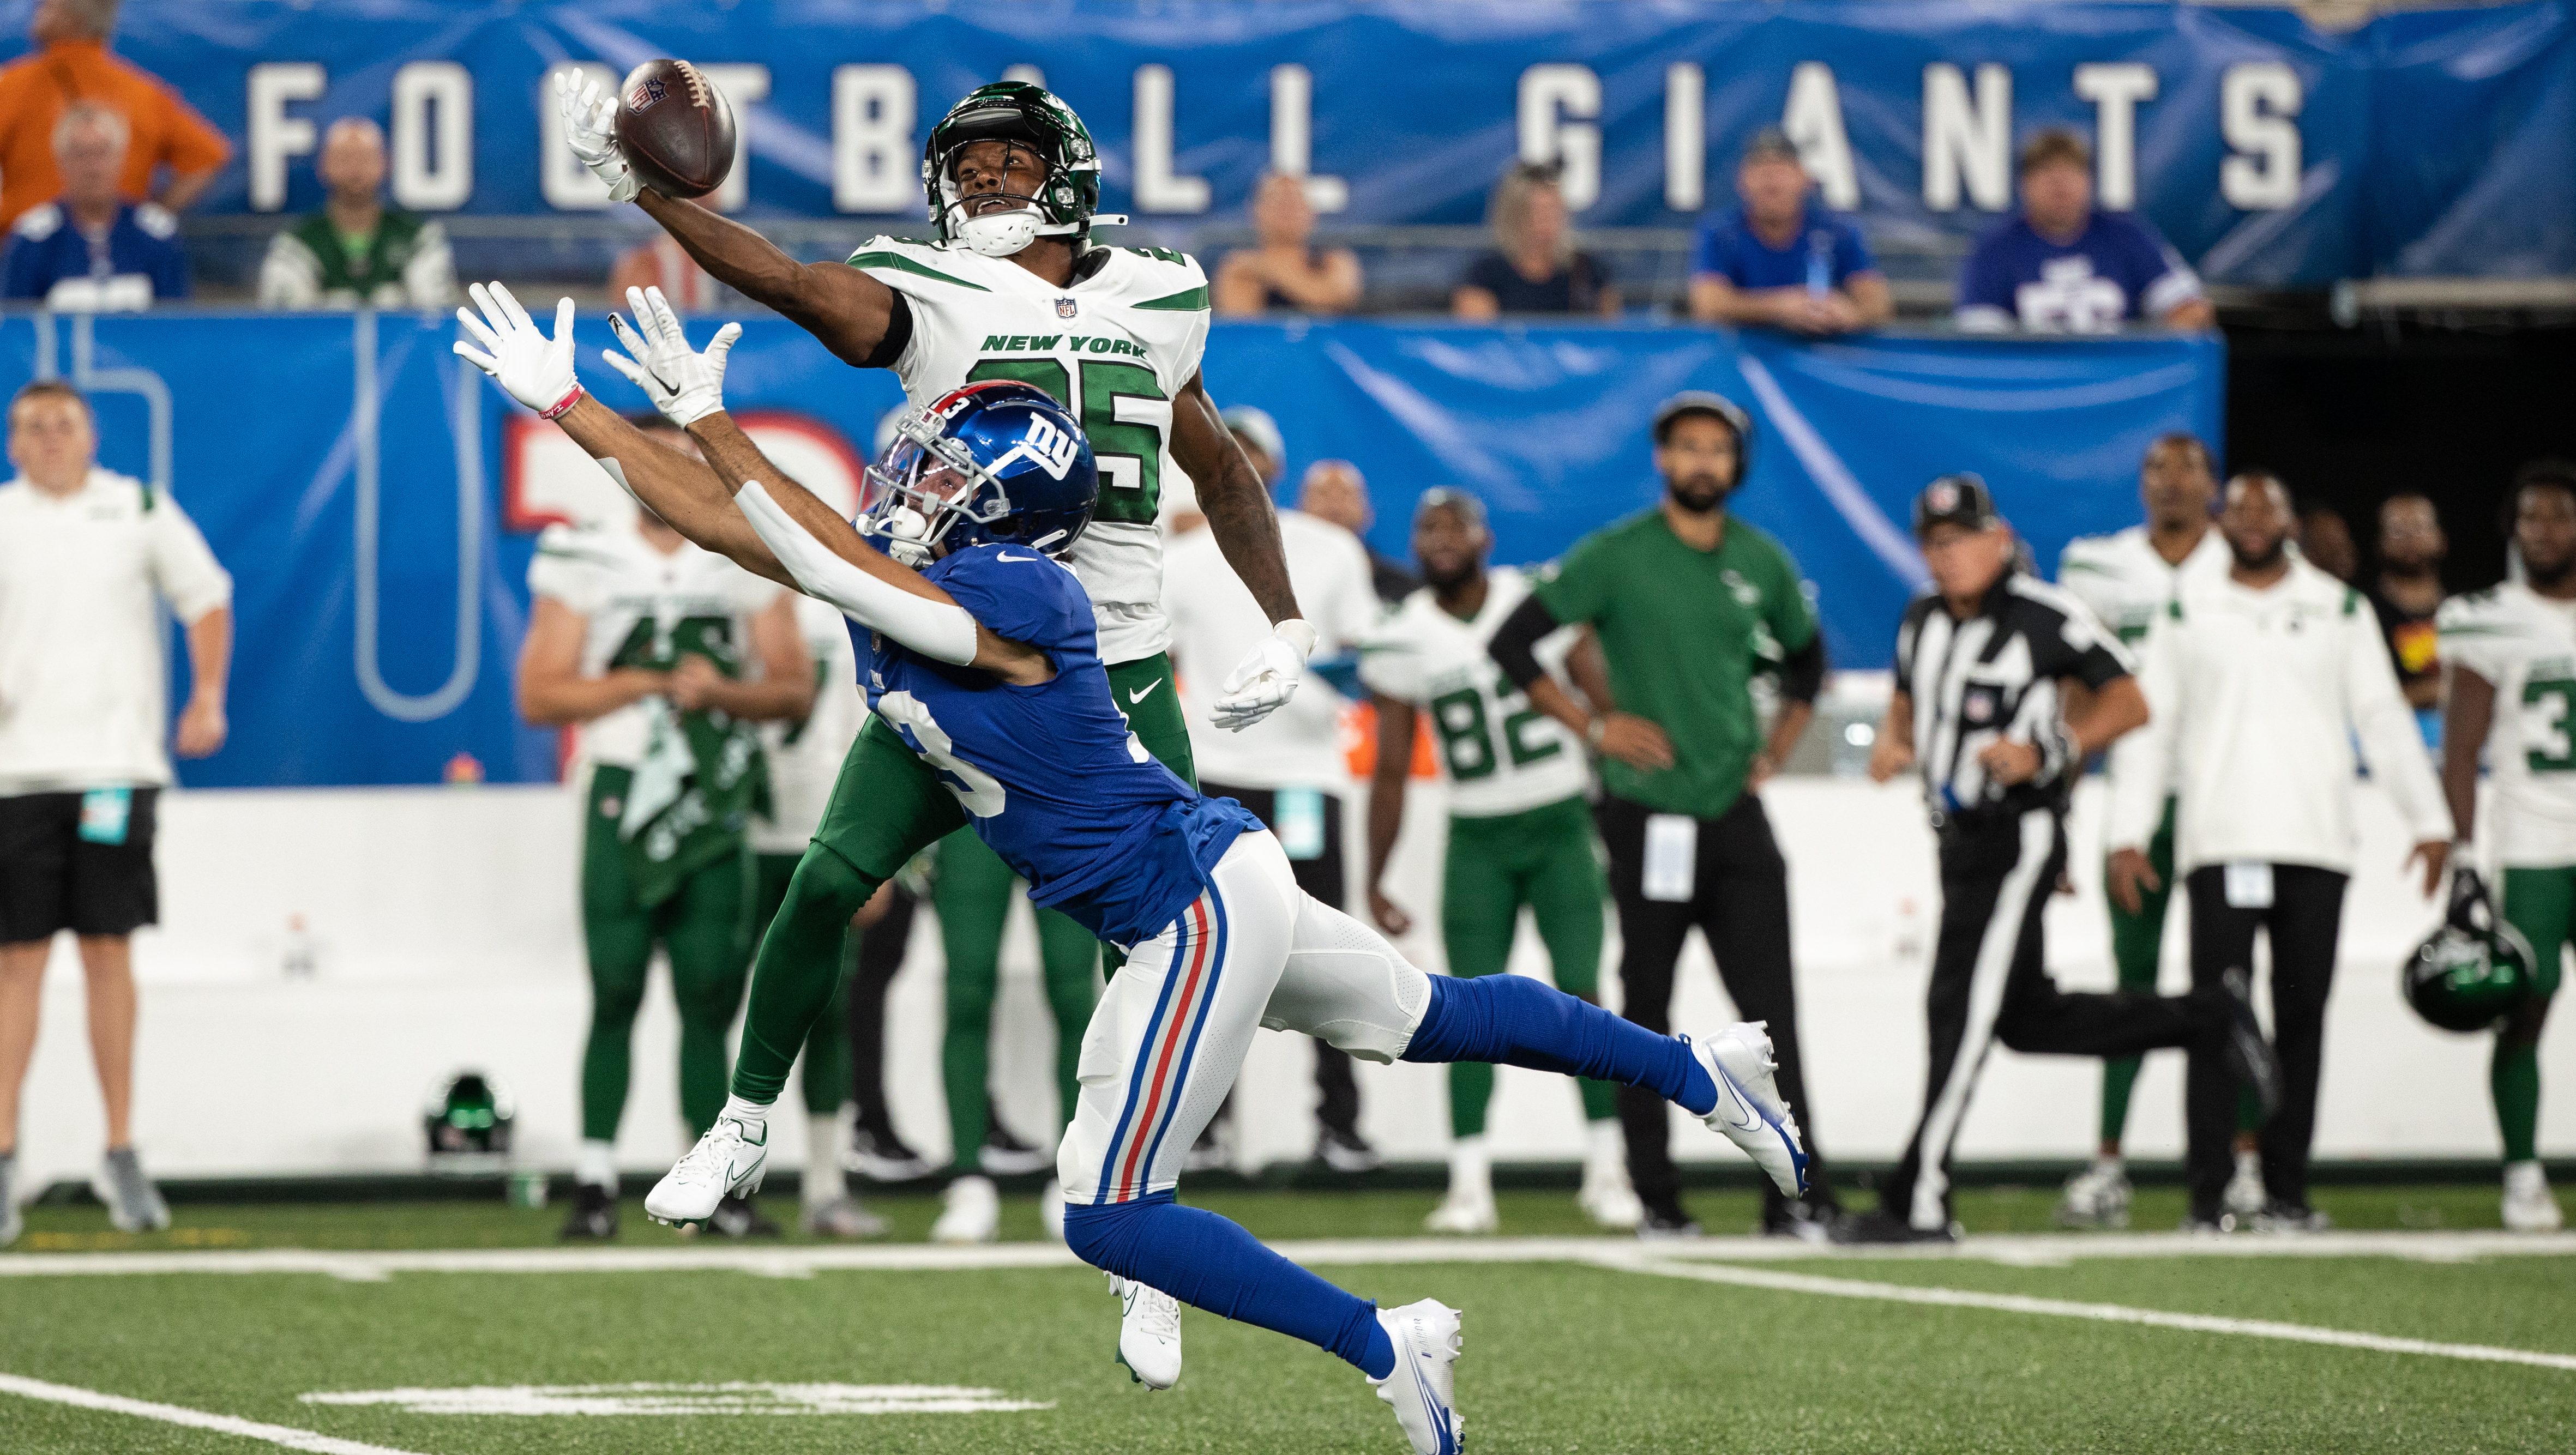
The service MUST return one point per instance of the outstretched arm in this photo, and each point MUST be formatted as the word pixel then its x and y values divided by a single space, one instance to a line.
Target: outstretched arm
pixel 682 491
pixel 1235 500
pixel 846 309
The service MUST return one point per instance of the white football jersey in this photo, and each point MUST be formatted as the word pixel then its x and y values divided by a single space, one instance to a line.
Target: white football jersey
pixel 1115 348
pixel 2525 645
pixel 1500 754
pixel 805 755
pixel 2122 578
pixel 636 600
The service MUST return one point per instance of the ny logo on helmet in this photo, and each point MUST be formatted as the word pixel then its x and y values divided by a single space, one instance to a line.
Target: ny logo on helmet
pixel 1051 448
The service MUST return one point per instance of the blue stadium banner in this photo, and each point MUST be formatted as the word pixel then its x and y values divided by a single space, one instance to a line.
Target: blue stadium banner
pixel 377 500
pixel 2272 153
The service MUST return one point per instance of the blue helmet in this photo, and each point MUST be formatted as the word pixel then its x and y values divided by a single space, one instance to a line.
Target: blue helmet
pixel 998 462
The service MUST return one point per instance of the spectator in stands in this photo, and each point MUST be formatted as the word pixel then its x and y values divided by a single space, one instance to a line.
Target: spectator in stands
pixel 1533 266
pixel 69 65
pixel 2407 592
pixel 1287 273
pixel 2327 543
pixel 88 560
pixel 1257 435
pixel 1781 259
pixel 356 252
pixel 2065 266
pixel 1335 490
pixel 89 249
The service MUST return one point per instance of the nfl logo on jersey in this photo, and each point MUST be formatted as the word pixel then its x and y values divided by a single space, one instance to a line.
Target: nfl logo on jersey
pixel 1064 308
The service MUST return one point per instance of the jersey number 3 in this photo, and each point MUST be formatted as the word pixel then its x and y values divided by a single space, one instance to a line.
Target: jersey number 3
pixel 1124 413
pixel 979 792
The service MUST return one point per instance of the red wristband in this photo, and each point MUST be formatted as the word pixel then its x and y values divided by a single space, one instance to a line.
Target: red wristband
pixel 563 404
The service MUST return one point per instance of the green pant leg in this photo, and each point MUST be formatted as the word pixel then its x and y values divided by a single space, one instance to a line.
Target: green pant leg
pixel 972 893
pixel 886 806
pixel 823 1071
pixel 2541 906
pixel 1480 908
pixel 706 931
pixel 617 939
pixel 1566 891
pixel 2137 951
pixel 1070 958
pixel 1146 691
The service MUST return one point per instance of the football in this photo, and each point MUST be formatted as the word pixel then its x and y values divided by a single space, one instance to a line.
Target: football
pixel 675 128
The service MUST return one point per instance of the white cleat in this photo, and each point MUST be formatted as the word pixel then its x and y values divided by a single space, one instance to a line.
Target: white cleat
pixel 1423 1388
pixel 2245 1197
pixel 2528 1205
pixel 1051 1208
pixel 1612 1208
pixel 1149 1333
pixel 1749 1110
pixel 725 1162
pixel 971 1212
pixel 2097 1197
pixel 1463 1214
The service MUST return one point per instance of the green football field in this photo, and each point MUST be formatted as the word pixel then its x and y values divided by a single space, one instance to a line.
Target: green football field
pixel 462 1329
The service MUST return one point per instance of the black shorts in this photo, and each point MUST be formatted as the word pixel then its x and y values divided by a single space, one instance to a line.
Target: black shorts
pixel 52 878
pixel 1320 872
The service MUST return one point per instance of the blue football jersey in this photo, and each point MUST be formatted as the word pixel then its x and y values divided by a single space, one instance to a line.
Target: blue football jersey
pixel 2118 270
pixel 1051 776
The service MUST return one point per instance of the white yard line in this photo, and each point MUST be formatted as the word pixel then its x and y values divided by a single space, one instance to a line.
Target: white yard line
pixel 1781 1281
pixel 283 1436
pixel 805 1260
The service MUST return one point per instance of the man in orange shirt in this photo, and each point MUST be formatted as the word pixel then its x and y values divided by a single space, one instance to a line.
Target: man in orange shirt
pixel 70 64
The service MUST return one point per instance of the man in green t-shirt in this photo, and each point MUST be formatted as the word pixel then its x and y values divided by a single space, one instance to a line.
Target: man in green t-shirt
pixel 1690 603
pixel 357 252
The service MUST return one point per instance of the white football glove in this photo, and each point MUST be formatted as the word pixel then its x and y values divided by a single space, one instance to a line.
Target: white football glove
pixel 1266 679
pixel 685 385
pixel 590 127
pixel 530 367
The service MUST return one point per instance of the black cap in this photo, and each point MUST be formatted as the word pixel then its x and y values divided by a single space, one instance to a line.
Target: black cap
pixel 1715 406
pixel 1960 499
pixel 1771 141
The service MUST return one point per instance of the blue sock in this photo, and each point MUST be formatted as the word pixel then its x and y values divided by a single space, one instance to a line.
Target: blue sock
pixel 1513 1020
pixel 1208 1262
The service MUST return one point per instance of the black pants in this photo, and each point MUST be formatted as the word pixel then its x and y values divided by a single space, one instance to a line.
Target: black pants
pixel 1990 985
pixel 2303 923
pixel 879 956
pixel 1740 902
pixel 1337 1092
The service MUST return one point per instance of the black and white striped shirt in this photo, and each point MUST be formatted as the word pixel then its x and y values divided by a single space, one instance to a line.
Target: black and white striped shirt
pixel 1994 675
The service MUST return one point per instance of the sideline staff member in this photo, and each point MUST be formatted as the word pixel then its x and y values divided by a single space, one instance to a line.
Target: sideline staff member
pixel 1979 660
pixel 1689 603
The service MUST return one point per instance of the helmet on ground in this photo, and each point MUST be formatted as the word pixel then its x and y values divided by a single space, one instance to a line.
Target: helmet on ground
pixel 468 1120
pixel 998 462
pixel 1030 118
pixel 2473 971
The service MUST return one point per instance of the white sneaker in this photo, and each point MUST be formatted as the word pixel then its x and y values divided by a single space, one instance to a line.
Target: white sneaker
pixel 730 1159
pixel 1149 1333
pixel 134 1205
pixel 1051 1208
pixel 1607 1198
pixel 1463 1213
pixel 1423 1388
pixel 1749 1110
pixel 2528 1205
pixel 11 1224
pixel 972 1212
pixel 843 1217
pixel 2097 1197
pixel 2245 1196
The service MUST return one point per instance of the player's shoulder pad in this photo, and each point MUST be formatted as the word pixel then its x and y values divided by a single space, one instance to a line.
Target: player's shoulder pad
pixel 916 267
pixel 2473 611
pixel 156 220
pixel 583 545
pixel 1162 278
pixel 2086 553
pixel 1020 594
pixel 39 222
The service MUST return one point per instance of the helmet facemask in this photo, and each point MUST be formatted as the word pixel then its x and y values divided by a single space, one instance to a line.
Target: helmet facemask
pixel 999 232
pixel 926 482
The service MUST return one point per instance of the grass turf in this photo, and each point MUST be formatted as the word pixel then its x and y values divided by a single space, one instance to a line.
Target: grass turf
pixel 1559 1358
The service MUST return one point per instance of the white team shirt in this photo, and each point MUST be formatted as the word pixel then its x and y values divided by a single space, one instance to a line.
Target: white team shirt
pixel 805 756
pixel 2524 644
pixel 1115 348
pixel 83 671
pixel 2126 582
pixel 1500 754
pixel 623 586
pixel 2255 698
pixel 1215 624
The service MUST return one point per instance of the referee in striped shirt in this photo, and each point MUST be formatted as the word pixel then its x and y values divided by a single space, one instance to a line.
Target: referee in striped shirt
pixel 1981 660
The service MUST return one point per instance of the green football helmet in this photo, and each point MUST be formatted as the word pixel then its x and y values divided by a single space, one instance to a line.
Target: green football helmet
pixel 468 1121
pixel 2473 971
pixel 1027 116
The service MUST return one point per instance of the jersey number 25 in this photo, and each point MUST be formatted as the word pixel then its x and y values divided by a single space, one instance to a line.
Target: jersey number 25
pixel 1123 411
